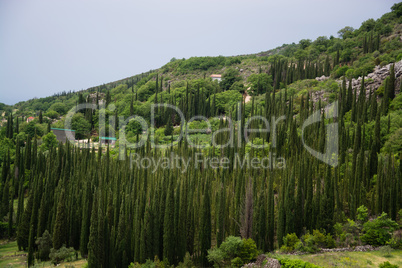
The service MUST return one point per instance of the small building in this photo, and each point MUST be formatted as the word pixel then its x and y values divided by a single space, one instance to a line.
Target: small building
pixel 61 134
pixel 107 140
pixel 29 119
pixel 217 77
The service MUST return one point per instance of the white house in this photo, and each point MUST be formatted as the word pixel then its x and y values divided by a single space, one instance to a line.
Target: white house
pixel 217 77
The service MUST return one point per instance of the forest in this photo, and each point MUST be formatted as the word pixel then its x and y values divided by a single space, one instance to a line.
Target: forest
pixel 59 199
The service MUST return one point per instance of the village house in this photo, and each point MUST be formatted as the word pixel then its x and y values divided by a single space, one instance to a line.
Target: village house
pixel 217 77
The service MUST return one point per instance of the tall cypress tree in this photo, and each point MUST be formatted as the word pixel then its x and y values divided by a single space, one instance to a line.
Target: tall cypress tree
pixel 290 205
pixel 168 226
pixel 93 250
pixel 205 226
pixel 23 228
pixel 60 225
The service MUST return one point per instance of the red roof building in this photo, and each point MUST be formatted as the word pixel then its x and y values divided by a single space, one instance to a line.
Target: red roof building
pixel 216 77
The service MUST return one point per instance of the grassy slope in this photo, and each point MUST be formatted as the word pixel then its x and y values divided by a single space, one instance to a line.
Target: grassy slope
pixel 351 259
pixel 11 257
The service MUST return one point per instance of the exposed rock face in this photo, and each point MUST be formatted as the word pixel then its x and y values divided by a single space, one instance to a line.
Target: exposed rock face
pixel 322 78
pixel 317 95
pixel 374 80
pixel 269 263
pixel 272 263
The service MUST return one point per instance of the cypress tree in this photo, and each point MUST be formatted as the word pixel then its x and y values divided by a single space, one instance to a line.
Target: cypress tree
pixel 271 214
pixel 168 226
pixel 221 217
pixel 31 242
pixel 169 127
pixel 375 147
pixel 205 226
pixel 299 209
pixel 10 214
pixel 281 215
pixel 93 250
pixel 85 224
pixel 290 205
pixel 60 226
pixel 23 228
pixel 5 199
pixel 132 107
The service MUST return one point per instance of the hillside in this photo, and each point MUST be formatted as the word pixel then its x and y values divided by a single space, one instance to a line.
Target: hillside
pixel 295 149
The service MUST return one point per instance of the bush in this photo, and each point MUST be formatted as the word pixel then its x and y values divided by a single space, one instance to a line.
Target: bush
pixel 49 141
pixel 288 263
pixel 58 107
pixel 378 231
pixel 289 242
pixel 347 234
pixel 233 251
pixel 187 261
pixel 307 244
pixel 237 262
pixel 226 100
pixel 312 243
pixel 52 114
pixel 330 241
pixel 387 264
pixel 248 251
pixel 396 241
pixel 341 71
pixel 362 214
pixel 62 254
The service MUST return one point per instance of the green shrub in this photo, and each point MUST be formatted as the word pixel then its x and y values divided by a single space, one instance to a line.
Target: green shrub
pixel 288 263
pixel 387 264
pixel 330 241
pixel 307 244
pixel 61 254
pixel 396 104
pixel 378 231
pixel 248 251
pixel 341 71
pixel 396 241
pixel 52 114
pixel 362 214
pixel 237 262
pixel 233 251
pixel 187 262
pixel 319 238
pixel 289 242
pixel 312 243
pixel 347 234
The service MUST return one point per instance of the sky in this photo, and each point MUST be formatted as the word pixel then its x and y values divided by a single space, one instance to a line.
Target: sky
pixel 50 46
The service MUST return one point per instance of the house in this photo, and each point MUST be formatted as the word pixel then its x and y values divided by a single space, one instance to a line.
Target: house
pixel 61 134
pixel 29 119
pixel 107 140
pixel 217 77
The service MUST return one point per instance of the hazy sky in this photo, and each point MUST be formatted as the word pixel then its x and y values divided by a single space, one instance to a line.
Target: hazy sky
pixel 49 46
